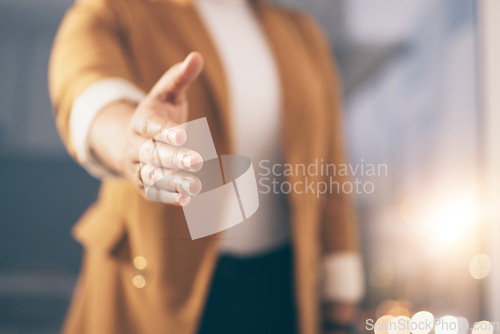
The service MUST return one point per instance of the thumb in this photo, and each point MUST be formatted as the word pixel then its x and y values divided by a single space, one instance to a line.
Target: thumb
pixel 174 83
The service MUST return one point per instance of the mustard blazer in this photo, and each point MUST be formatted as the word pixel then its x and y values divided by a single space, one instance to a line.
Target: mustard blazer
pixel 141 271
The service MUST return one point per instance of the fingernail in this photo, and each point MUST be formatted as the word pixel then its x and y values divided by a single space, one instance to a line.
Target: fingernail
pixel 192 161
pixel 192 187
pixel 171 135
pixel 187 160
pixel 184 200
pixel 186 186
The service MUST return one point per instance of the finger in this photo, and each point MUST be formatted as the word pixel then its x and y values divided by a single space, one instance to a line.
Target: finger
pixel 174 83
pixel 163 155
pixel 172 135
pixel 165 131
pixel 180 182
pixel 135 174
pixel 159 195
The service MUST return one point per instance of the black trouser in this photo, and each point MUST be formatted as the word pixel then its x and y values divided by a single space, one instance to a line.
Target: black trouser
pixel 251 295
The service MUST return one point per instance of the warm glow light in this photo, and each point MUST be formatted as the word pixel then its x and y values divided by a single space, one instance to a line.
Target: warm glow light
pixel 447 325
pixel 382 325
pixel 422 322
pixel 400 325
pixel 480 266
pixel 463 325
pixel 451 218
pixel 384 307
pixel 399 310
pixel 483 327
pixel 407 210
pixel 393 308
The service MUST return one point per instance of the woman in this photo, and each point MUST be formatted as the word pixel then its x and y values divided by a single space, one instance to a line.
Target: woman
pixel 262 77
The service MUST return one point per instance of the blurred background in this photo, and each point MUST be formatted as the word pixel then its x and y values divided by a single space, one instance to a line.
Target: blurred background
pixel 419 81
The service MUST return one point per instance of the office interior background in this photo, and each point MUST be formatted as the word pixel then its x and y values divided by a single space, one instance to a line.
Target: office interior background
pixel 419 80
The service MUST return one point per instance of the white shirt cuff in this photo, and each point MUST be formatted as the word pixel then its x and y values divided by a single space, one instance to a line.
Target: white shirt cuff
pixel 85 109
pixel 343 279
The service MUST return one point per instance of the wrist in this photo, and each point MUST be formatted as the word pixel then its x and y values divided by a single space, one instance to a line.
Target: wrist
pixel 107 138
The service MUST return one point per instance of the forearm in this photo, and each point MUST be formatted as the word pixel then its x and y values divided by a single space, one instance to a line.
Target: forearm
pixel 106 138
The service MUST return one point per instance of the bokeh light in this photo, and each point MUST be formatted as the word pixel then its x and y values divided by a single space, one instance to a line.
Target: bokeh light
pixel 422 322
pixel 447 325
pixel 382 324
pixel 463 325
pixel 400 325
pixel 393 308
pixel 483 327
pixel 452 217
pixel 480 266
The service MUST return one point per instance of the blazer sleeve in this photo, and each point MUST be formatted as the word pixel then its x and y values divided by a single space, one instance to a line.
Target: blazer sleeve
pixel 342 264
pixel 88 48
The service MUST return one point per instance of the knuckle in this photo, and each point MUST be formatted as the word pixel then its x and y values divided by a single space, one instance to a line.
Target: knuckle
pixel 177 156
pixel 157 175
pixel 151 155
pixel 168 175
pixel 157 155
pixel 145 150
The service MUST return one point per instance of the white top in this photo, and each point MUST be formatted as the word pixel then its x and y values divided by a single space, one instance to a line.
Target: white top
pixel 254 90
